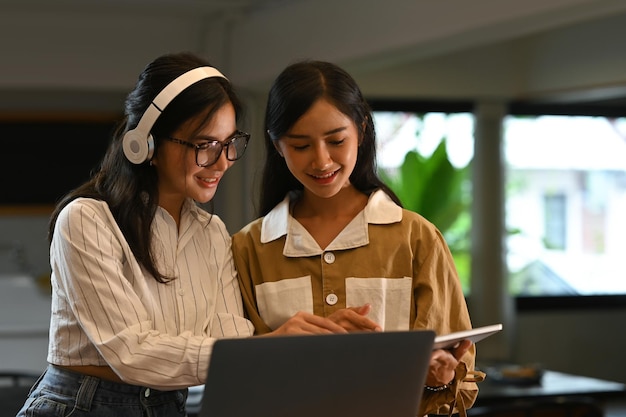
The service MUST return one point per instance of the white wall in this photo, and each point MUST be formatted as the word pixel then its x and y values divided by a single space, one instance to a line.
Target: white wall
pixel 24 305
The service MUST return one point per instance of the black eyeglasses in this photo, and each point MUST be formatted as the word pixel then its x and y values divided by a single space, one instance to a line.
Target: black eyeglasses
pixel 207 153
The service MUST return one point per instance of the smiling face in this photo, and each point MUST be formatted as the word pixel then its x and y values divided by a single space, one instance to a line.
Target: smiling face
pixel 179 176
pixel 320 149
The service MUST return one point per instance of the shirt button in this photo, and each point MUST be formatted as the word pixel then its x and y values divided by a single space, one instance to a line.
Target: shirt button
pixel 147 392
pixel 329 257
pixel 181 292
pixel 332 299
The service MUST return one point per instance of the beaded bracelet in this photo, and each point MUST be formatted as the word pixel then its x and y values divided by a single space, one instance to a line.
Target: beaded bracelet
pixel 438 388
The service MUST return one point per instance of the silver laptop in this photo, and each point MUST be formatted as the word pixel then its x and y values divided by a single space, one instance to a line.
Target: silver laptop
pixel 338 375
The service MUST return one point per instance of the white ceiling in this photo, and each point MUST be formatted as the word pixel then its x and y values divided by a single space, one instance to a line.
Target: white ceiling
pixel 91 51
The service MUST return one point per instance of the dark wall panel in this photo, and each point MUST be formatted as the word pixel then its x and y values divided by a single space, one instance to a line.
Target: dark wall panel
pixel 40 161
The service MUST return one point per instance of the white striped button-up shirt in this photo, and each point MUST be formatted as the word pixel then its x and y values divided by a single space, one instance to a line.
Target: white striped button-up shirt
pixel 106 309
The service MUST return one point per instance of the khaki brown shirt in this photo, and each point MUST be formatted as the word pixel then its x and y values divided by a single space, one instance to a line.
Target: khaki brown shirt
pixel 387 256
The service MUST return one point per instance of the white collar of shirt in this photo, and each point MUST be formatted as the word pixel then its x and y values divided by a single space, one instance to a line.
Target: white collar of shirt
pixel 192 217
pixel 380 209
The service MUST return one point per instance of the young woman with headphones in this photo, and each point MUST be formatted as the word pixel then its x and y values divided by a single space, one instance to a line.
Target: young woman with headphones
pixel 143 280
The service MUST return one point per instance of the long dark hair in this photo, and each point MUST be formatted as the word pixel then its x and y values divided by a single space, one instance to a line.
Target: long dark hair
pixel 293 92
pixel 131 190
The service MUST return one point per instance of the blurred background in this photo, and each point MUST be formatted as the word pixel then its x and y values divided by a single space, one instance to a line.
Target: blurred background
pixel 501 121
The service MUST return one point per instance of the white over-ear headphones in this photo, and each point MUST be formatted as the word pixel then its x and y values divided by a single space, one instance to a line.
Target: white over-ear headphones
pixel 138 143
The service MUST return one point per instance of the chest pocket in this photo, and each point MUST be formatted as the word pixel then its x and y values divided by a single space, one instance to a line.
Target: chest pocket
pixel 278 301
pixel 390 299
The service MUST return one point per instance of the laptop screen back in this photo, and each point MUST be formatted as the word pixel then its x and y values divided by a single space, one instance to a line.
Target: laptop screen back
pixel 354 374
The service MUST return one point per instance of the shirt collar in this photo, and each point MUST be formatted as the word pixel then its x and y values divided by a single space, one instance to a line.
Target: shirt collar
pixel 192 218
pixel 275 223
pixel 380 209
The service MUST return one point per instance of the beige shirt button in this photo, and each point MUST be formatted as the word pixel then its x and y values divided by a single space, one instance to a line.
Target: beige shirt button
pixel 181 292
pixel 331 299
pixel 329 257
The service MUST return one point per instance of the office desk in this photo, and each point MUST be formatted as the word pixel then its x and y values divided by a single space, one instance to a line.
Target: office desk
pixel 553 384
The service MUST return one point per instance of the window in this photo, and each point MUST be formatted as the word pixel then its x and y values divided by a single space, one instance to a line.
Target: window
pixel 565 205
pixel 554 220
pixel 565 185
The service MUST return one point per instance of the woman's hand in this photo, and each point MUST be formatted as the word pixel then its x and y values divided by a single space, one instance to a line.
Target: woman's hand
pixel 353 319
pixel 307 323
pixel 443 362
pixel 341 321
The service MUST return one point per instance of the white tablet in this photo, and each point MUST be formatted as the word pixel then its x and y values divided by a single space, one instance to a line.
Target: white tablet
pixel 449 340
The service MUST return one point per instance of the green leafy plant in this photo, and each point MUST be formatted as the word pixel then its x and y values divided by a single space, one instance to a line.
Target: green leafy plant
pixel 439 191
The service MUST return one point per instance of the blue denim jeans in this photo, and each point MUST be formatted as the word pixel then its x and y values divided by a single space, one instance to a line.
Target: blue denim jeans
pixel 62 393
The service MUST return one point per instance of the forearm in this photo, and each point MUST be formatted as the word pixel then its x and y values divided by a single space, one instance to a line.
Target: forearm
pixel 456 398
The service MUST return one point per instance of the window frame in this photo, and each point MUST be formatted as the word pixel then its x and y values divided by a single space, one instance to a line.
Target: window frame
pixel 520 108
